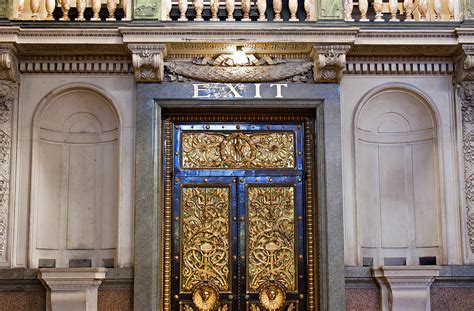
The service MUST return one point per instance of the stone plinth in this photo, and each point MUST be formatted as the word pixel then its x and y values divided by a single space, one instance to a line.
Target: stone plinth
pixel 72 288
pixel 405 287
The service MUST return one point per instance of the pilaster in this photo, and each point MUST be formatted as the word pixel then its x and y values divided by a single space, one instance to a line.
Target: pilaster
pixel 72 289
pixel 465 97
pixel 405 287
pixel 148 63
pixel 329 62
pixel 8 97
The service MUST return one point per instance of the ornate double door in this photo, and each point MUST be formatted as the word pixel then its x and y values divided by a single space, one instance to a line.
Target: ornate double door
pixel 238 217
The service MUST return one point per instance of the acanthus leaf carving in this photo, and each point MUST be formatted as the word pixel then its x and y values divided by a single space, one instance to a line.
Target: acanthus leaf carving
pixel 148 63
pixel 329 62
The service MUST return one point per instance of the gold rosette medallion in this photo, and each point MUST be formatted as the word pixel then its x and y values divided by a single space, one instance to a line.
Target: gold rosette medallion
pixel 272 296
pixel 205 296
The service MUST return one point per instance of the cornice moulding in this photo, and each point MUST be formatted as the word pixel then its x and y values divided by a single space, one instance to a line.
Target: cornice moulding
pixel 237 35
pixel 62 36
pixel 405 37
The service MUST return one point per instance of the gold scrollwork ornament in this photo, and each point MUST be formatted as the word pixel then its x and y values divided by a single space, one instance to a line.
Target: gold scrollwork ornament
pixel 205 296
pixel 272 296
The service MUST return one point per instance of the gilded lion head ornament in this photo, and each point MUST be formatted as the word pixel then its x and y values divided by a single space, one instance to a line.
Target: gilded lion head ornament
pixel 272 296
pixel 205 296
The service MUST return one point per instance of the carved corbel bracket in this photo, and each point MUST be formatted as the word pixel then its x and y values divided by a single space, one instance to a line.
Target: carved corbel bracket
pixel 148 61
pixel 329 62
pixel 8 63
pixel 465 64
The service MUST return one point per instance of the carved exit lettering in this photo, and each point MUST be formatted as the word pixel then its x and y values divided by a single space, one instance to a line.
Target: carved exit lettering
pixel 230 90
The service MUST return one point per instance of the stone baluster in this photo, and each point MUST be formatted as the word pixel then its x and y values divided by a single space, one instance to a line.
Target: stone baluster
pixel 34 5
pixel 111 7
pixel 214 10
pixel 21 7
pixel 437 7
pixel 96 5
pixel 363 7
pixel 393 5
pixel 408 5
pixel 65 6
pixel 81 6
pixel 167 6
pixel 262 8
pixel 277 7
pixel 348 7
pixel 230 8
pixel 308 8
pixel 246 10
pixel 198 7
pixel 423 9
pixel 378 6
pixel 293 6
pixel 183 8
pixel 451 10
pixel 50 6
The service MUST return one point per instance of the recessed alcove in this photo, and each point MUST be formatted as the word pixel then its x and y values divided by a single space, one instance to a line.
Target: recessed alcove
pixel 75 181
pixel 397 179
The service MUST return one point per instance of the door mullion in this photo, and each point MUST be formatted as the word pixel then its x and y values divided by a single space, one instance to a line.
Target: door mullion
pixel 241 272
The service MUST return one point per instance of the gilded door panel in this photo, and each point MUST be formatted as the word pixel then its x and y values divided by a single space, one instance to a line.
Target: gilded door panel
pixel 238 217
pixel 274 235
pixel 222 149
pixel 271 235
pixel 205 247
pixel 203 209
pixel 240 150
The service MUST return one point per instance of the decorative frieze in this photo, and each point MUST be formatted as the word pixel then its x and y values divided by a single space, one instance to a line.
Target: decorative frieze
pixel 329 62
pixel 183 72
pixel 148 62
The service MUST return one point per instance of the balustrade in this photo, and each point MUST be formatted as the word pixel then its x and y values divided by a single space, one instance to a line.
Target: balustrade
pixel 78 10
pixel 240 10
pixel 398 10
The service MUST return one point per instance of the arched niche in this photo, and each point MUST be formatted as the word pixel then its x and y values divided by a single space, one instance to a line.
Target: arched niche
pixel 75 180
pixel 397 180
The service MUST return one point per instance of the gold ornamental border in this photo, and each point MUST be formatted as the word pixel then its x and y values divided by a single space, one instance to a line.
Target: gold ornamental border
pixel 312 263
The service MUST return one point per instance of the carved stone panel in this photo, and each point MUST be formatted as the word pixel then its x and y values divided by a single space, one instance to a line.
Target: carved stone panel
pixel 466 92
pixel 8 91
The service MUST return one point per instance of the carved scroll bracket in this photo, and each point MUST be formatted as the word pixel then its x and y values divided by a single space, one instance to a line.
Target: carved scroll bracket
pixel 8 63
pixel 329 62
pixel 148 61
